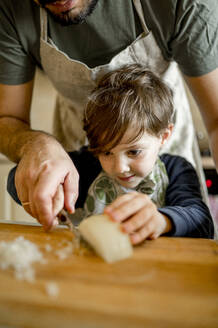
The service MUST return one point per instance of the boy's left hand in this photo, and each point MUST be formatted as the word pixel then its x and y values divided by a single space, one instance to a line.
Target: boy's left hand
pixel 139 216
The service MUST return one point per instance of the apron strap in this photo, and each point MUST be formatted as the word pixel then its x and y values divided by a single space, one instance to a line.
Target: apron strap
pixel 139 10
pixel 43 24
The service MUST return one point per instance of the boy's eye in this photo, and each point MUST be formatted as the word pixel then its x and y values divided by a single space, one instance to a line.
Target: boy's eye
pixel 107 153
pixel 134 152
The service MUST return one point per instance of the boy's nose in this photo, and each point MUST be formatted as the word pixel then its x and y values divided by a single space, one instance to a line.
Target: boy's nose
pixel 121 165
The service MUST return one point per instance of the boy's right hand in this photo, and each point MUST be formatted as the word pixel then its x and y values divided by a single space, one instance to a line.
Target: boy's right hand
pixel 139 217
pixel 39 174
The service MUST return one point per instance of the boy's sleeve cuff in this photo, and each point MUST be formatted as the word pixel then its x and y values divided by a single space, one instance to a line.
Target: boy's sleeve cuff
pixel 177 220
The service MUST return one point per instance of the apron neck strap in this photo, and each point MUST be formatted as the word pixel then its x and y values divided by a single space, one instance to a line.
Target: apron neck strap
pixel 139 10
pixel 43 24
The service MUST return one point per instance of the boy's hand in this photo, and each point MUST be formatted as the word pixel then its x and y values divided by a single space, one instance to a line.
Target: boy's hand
pixel 139 216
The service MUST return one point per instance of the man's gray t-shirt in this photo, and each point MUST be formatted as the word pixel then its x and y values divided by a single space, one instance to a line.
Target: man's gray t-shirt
pixel 186 31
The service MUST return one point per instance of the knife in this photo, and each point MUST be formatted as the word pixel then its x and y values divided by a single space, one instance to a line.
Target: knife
pixel 58 205
pixel 64 219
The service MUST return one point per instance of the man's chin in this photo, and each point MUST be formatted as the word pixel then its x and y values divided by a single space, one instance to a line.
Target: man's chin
pixel 66 18
pixel 69 17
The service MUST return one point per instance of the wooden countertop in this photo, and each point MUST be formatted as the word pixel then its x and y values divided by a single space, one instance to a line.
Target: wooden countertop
pixel 169 282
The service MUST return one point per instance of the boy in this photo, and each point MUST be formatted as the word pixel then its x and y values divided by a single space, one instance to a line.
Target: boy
pixel 127 120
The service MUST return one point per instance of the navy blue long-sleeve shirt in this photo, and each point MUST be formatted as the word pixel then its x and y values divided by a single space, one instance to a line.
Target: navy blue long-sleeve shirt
pixel 184 206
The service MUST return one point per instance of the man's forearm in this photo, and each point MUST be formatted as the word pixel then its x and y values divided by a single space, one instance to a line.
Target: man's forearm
pixel 16 135
pixel 214 146
pixel 204 90
pixel 43 166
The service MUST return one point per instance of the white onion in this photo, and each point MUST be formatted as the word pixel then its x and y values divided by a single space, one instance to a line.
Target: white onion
pixel 19 255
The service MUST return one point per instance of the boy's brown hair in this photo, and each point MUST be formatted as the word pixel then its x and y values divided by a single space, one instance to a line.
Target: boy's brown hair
pixel 131 96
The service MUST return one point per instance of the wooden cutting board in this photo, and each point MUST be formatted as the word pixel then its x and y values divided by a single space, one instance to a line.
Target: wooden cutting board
pixel 169 282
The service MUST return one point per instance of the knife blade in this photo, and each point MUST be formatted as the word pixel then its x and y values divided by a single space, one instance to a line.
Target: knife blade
pixel 64 219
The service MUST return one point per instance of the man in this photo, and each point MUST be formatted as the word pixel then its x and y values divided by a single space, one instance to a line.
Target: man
pixel 74 55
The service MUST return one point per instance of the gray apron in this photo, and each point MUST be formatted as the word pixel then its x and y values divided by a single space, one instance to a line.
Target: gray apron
pixel 74 80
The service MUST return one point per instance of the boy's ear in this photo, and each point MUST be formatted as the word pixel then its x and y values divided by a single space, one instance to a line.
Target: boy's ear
pixel 166 134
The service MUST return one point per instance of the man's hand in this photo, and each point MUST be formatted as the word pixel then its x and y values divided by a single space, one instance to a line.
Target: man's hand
pixel 43 167
pixel 43 163
pixel 139 216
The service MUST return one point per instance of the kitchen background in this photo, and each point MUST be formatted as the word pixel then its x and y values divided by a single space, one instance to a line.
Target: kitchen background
pixel 42 116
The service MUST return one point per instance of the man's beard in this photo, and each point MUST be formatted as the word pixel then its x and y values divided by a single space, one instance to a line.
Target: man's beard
pixel 66 18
